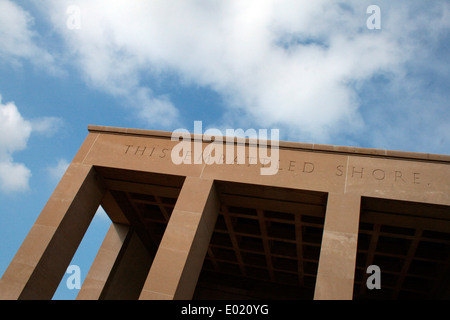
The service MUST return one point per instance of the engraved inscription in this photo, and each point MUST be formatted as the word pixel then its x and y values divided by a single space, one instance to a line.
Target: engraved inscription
pixel 379 174
pixel 398 176
pixel 145 151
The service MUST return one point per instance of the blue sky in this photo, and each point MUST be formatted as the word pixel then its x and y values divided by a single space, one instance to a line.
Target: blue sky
pixel 311 69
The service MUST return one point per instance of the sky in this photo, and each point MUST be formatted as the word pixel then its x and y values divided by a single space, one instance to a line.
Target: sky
pixel 327 72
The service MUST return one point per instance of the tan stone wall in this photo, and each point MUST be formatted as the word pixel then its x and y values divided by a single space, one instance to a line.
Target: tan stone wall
pixel 345 174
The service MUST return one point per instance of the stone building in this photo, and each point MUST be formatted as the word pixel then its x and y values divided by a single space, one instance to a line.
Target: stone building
pixel 225 231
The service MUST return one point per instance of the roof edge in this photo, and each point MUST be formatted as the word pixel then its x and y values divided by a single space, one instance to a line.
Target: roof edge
pixel 294 145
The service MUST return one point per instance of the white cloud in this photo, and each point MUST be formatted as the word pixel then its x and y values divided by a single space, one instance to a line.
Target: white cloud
pixel 56 172
pixel 14 133
pixel 47 126
pixel 14 177
pixel 232 47
pixel 18 40
pixel 294 64
pixel 14 129
pixel 153 110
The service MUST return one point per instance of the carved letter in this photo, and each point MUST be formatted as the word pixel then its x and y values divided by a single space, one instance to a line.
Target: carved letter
pixel 251 160
pixel 416 177
pixel 291 164
pixel 360 172
pixel 398 174
pixel 240 135
pixel 215 146
pixel 339 170
pixel 310 165
pixel 279 165
pixel 380 175
pixel 140 150
pixel 164 152
pixel 128 147
pixel 198 145
pixel 274 154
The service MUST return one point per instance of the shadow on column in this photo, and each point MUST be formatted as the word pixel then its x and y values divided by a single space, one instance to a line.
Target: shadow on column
pixel 265 245
pixel 143 202
pixel 410 243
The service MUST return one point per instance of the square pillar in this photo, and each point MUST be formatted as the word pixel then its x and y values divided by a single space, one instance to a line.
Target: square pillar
pixel 41 261
pixel 104 261
pixel 337 262
pixel 127 276
pixel 179 259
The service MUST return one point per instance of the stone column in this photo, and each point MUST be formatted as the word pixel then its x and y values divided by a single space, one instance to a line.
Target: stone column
pixel 128 275
pixel 179 259
pixel 107 255
pixel 41 261
pixel 337 262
